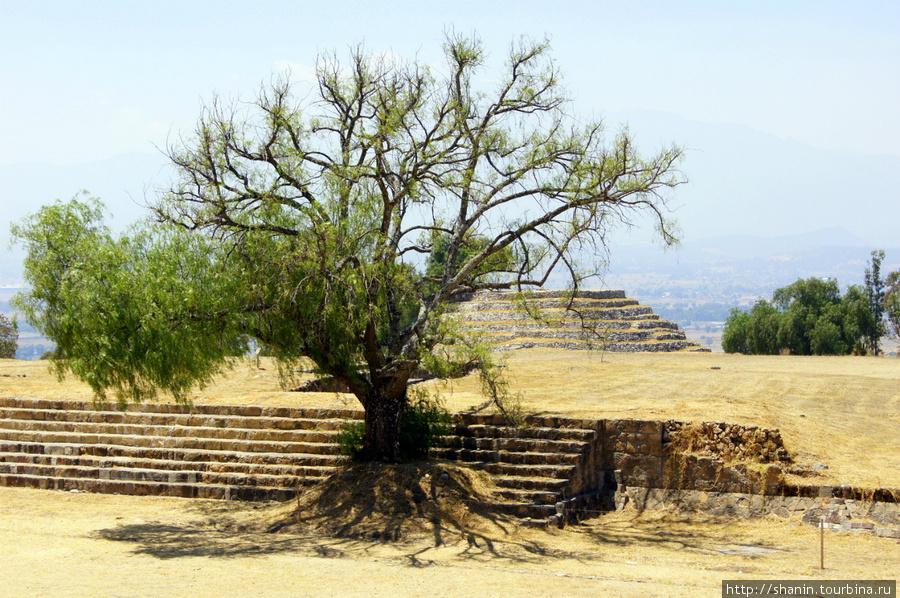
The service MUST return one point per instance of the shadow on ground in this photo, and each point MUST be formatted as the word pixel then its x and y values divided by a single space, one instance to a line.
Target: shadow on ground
pixel 169 541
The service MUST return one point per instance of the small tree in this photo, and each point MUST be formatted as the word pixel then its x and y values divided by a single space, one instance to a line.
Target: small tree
pixel 9 337
pixel 875 286
pixel 892 302
pixel 304 224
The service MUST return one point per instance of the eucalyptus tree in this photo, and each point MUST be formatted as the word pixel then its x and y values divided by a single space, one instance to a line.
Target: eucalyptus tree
pixel 304 220
pixel 9 336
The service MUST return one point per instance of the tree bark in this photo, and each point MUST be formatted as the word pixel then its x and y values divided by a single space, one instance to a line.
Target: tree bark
pixel 382 440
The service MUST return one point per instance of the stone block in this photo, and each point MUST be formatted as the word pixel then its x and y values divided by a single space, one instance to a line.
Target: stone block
pixel 651 427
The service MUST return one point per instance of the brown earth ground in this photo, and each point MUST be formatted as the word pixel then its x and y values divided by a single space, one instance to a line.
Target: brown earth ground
pixel 843 412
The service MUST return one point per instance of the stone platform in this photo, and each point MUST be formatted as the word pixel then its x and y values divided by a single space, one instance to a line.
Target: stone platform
pixel 603 320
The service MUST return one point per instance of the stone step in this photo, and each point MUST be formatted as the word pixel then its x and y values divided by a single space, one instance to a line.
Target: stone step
pixel 136 474
pixel 528 496
pixel 244 446
pixel 524 510
pixel 240 467
pixel 556 485
pixel 173 454
pixel 527 471
pixel 247 493
pixel 170 431
pixel 651 346
pixel 637 312
pixel 511 457
pixel 549 428
pixel 494 468
pixel 537 294
pixel 178 409
pixel 170 419
pixel 524 326
pixel 254 453
pixel 597 336
pixel 549 304
pixel 518 445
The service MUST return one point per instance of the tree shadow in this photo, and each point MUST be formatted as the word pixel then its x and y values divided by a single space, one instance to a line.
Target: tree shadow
pixel 170 541
pixel 709 536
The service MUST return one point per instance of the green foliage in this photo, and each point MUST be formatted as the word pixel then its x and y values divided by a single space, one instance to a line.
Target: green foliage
pixel 436 266
pixel 9 336
pixel 424 422
pixel 754 332
pixel 808 317
pixel 127 314
pixel 350 439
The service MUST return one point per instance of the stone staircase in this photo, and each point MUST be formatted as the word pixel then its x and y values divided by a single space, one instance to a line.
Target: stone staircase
pixel 266 453
pixel 536 466
pixel 239 453
pixel 606 320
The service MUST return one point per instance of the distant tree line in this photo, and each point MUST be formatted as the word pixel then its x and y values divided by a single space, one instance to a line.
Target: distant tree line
pixel 812 317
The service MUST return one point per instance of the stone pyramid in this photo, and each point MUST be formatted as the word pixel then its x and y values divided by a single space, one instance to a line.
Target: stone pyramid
pixel 612 322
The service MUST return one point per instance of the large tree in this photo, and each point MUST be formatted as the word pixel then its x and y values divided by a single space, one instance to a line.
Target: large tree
pixel 306 223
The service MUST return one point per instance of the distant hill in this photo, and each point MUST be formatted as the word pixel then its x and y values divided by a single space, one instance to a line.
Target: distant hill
pixel 727 266
pixel 744 182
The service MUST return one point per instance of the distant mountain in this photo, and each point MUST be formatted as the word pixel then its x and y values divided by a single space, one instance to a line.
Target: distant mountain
pixel 732 267
pixel 744 182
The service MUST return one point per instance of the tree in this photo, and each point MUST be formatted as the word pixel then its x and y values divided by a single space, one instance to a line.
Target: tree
pixel 304 223
pixel 9 336
pixel 875 294
pixel 754 332
pixel 808 317
pixel 892 302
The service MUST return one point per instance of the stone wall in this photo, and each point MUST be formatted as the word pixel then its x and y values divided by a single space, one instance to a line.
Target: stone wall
pixel 674 454
pixel 715 468
pixel 732 470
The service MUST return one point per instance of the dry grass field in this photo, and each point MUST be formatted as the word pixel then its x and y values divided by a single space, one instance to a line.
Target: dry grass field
pixel 81 545
pixel 844 412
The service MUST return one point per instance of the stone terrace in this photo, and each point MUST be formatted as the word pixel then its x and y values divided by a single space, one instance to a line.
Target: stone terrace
pixel 606 320
pixel 261 453
pixel 552 469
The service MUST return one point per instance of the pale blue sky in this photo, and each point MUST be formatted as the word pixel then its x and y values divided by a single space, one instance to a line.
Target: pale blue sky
pixel 88 80
pixel 789 109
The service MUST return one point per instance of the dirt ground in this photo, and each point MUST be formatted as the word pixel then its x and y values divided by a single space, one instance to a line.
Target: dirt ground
pixel 65 544
pixel 843 412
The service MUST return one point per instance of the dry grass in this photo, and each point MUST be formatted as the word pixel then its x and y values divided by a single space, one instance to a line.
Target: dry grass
pixel 850 409
pixel 105 545
pixel 841 411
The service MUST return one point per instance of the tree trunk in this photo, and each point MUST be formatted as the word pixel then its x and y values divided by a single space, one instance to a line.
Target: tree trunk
pixel 382 441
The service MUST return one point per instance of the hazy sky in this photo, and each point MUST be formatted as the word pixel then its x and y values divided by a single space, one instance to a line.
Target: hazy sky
pixel 87 80
pixel 788 110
